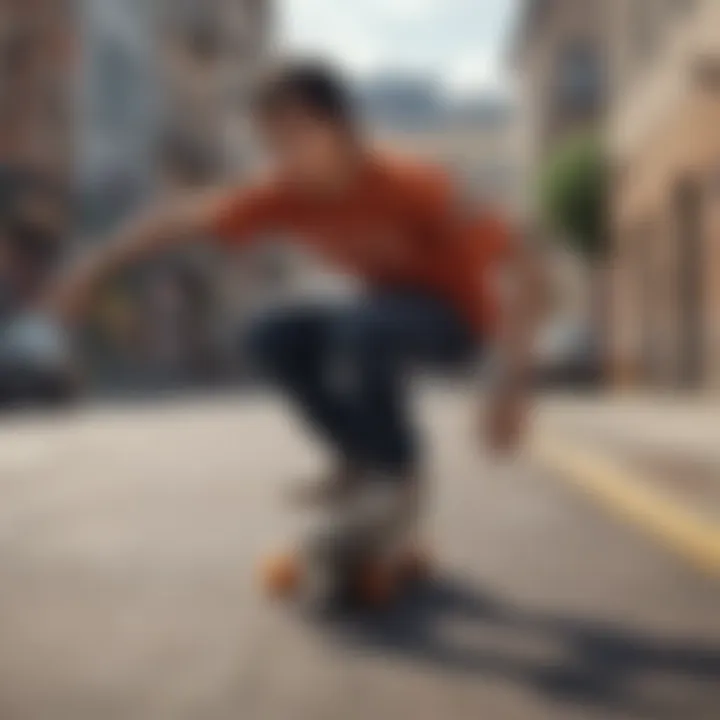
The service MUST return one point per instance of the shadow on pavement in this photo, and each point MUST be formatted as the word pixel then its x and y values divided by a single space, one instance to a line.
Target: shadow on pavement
pixel 583 662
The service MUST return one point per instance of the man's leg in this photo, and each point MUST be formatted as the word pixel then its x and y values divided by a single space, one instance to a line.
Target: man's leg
pixel 381 339
pixel 346 367
pixel 292 349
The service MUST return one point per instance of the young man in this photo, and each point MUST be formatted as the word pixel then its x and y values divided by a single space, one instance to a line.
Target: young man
pixel 429 264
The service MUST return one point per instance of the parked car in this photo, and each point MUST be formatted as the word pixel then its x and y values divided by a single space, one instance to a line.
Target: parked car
pixel 36 364
pixel 569 356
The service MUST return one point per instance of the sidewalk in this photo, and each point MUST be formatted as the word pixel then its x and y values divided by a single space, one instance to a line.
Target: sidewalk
pixel 653 460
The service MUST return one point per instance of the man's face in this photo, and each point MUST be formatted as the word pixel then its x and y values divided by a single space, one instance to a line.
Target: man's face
pixel 305 149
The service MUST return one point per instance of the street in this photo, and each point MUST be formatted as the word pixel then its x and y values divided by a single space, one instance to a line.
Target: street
pixel 130 536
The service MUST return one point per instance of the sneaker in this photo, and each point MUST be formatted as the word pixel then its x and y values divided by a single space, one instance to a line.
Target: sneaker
pixel 380 508
pixel 333 488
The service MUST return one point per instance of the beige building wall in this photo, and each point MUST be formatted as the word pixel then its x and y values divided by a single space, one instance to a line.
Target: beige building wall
pixel 38 43
pixel 556 42
pixel 37 62
pixel 665 145
pixel 563 59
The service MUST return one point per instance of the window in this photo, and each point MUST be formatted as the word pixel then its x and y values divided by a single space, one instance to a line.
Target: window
pixel 198 27
pixel 646 28
pixel 579 77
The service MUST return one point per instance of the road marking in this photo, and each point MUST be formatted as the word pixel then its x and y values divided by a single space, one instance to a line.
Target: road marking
pixel 634 496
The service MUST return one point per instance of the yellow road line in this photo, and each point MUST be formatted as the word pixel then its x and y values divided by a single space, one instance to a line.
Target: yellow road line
pixel 632 495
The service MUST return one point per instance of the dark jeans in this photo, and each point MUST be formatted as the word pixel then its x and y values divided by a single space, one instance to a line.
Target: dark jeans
pixel 346 367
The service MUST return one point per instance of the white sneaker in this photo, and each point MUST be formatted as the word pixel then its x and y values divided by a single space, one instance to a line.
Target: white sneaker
pixel 380 512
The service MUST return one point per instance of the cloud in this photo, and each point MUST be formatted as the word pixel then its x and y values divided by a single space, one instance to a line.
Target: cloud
pixel 318 27
pixel 458 41
pixel 412 9
pixel 476 72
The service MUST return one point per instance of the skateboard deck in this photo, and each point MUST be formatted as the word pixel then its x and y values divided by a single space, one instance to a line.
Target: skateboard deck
pixel 356 555
pixel 376 583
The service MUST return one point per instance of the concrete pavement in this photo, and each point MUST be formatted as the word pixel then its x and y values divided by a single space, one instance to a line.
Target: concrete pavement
pixel 129 538
pixel 655 461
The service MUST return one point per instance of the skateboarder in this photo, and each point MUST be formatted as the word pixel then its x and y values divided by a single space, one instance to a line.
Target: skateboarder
pixel 431 265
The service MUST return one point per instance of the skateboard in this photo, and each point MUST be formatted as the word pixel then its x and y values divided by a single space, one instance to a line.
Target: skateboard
pixel 354 555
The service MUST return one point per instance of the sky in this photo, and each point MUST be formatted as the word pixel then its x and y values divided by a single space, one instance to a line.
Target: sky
pixel 459 42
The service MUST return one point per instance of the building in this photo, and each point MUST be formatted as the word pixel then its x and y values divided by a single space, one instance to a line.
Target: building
pixel 163 93
pixel 561 52
pixel 664 137
pixel 112 93
pixel 37 51
pixel 115 114
pixel 36 68
pixel 210 53
pixel 119 101
pixel 164 86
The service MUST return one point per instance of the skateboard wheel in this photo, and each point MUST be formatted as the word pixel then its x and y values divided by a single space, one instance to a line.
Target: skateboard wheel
pixel 281 575
pixel 377 586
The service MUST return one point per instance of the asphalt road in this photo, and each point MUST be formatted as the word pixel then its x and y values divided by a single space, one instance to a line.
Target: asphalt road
pixel 129 538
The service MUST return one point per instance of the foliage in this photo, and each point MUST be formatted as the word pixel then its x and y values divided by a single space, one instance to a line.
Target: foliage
pixel 573 194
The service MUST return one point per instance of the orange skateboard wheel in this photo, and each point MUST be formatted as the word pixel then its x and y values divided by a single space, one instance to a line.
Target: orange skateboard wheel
pixel 281 575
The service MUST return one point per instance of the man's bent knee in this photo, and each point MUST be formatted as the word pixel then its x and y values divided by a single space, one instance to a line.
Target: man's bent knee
pixel 277 345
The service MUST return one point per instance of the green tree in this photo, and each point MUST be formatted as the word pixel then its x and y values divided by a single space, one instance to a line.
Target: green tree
pixel 573 195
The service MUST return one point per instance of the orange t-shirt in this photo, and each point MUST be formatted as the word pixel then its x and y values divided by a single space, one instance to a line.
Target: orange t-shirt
pixel 397 226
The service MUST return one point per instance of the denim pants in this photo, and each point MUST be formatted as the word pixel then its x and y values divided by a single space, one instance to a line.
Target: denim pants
pixel 346 367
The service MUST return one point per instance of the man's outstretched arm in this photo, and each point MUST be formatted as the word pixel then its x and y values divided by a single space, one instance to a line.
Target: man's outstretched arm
pixel 152 232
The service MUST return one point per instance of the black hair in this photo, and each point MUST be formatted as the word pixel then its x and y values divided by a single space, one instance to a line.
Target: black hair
pixel 312 86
